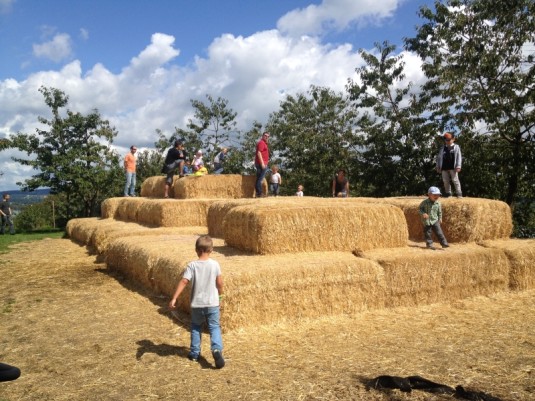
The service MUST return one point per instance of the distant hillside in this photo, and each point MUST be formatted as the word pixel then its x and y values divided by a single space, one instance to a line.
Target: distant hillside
pixel 19 199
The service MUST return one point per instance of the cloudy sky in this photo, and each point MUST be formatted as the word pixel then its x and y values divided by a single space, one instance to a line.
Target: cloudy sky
pixel 139 62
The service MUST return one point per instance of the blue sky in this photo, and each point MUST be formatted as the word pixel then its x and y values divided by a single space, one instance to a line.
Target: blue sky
pixel 140 62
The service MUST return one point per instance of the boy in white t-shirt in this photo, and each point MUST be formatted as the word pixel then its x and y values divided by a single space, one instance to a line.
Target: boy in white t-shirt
pixel 299 190
pixel 276 181
pixel 206 293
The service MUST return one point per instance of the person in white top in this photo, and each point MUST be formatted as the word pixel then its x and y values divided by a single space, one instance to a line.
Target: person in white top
pixel 276 181
pixel 299 190
pixel 197 161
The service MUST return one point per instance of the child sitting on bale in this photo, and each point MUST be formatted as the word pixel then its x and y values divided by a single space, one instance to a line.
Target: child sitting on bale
pixel 431 212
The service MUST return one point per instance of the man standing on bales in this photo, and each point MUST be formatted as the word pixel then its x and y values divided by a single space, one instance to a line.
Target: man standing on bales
pixel 219 161
pixel 206 294
pixel 130 171
pixel 261 162
pixel 431 213
pixel 449 161
pixel 6 214
pixel 175 158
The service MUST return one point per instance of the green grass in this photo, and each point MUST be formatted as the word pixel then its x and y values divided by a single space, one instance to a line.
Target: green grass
pixel 6 240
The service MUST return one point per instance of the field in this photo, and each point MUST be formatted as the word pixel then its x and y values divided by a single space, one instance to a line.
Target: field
pixel 80 332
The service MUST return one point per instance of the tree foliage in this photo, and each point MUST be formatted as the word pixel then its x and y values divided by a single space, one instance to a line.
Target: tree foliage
pixel 73 157
pixel 479 58
pixel 312 135
pixel 398 146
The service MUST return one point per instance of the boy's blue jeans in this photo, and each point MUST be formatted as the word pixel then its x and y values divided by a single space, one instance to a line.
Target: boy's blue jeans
pixel 211 317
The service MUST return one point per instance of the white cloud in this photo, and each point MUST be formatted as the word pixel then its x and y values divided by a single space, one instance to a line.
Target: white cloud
pixel 253 73
pixel 84 33
pixel 335 15
pixel 6 6
pixel 58 49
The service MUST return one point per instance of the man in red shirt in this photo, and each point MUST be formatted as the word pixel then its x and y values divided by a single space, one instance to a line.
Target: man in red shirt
pixel 261 162
pixel 130 170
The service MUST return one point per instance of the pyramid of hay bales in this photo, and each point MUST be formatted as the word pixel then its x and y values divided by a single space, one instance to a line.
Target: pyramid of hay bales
pixel 290 258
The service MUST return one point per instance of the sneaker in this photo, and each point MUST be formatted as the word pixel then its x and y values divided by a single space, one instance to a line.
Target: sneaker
pixel 459 196
pixel 431 247
pixel 194 358
pixel 445 246
pixel 218 358
pixel 447 195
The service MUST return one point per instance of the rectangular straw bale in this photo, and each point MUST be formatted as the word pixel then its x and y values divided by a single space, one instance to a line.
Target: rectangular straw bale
pixel 218 211
pixel 154 187
pixel 221 186
pixel 81 230
pixel 417 276
pixel 299 225
pixel 127 208
pixel 108 207
pixel 174 212
pixel 464 220
pixel 104 235
pixel 258 289
pixel 521 255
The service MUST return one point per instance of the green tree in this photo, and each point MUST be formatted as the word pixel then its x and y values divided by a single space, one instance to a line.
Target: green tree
pixel 73 157
pixel 398 147
pixel 213 127
pixel 479 59
pixel 312 135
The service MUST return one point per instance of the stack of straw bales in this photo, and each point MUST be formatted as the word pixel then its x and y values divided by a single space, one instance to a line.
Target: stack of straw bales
pixel 258 289
pixel 100 233
pixel 521 256
pixel 464 220
pixel 417 276
pixel 300 225
pixel 223 186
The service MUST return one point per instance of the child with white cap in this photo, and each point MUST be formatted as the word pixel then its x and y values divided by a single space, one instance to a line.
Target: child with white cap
pixel 431 213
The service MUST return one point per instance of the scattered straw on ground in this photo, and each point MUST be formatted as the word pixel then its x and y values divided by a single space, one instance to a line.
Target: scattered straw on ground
pixel 78 332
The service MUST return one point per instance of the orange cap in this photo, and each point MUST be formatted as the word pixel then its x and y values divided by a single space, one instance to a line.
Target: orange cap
pixel 448 135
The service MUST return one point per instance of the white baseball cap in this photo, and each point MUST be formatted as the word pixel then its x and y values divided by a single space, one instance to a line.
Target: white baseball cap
pixel 434 191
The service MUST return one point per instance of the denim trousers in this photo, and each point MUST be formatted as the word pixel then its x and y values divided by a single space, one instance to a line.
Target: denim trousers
pixel 130 186
pixel 209 315
pixel 260 175
pixel 7 221
pixel 437 229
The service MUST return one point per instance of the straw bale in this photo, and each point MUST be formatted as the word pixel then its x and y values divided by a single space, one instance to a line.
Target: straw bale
pixel 221 186
pixel 81 230
pixel 258 289
pixel 300 225
pixel 154 187
pixel 218 211
pixel 174 212
pixel 416 276
pixel 521 255
pixel 127 208
pixel 104 235
pixel 463 220
pixel 108 207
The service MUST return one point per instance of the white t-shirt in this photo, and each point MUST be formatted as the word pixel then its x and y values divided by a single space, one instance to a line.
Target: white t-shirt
pixel 202 274
pixel 275 178
pixel 299 193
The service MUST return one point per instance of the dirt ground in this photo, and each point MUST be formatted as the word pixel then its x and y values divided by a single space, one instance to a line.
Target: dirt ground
pixel 78 332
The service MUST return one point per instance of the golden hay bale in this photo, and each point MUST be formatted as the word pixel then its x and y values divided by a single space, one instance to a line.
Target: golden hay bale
pixel 222 186
pixel 521 255
pixel 416 276
pixel 108 207
pixel 174 212
pixel 258 289
pixel 463 220
pixel 217 213
pixel 302 225
pixel 127 208
pixel 104 235
pixel 154 187
pixel 81 230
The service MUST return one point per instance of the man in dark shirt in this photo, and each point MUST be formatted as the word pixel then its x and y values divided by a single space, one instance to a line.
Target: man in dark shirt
pixel 5 213
pixel 175 158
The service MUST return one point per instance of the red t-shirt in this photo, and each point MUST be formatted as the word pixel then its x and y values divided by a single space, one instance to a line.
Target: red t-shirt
pixel 262 147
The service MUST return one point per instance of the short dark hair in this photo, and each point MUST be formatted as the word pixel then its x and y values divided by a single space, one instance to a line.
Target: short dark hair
pixel 178 143
pixel 204 244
